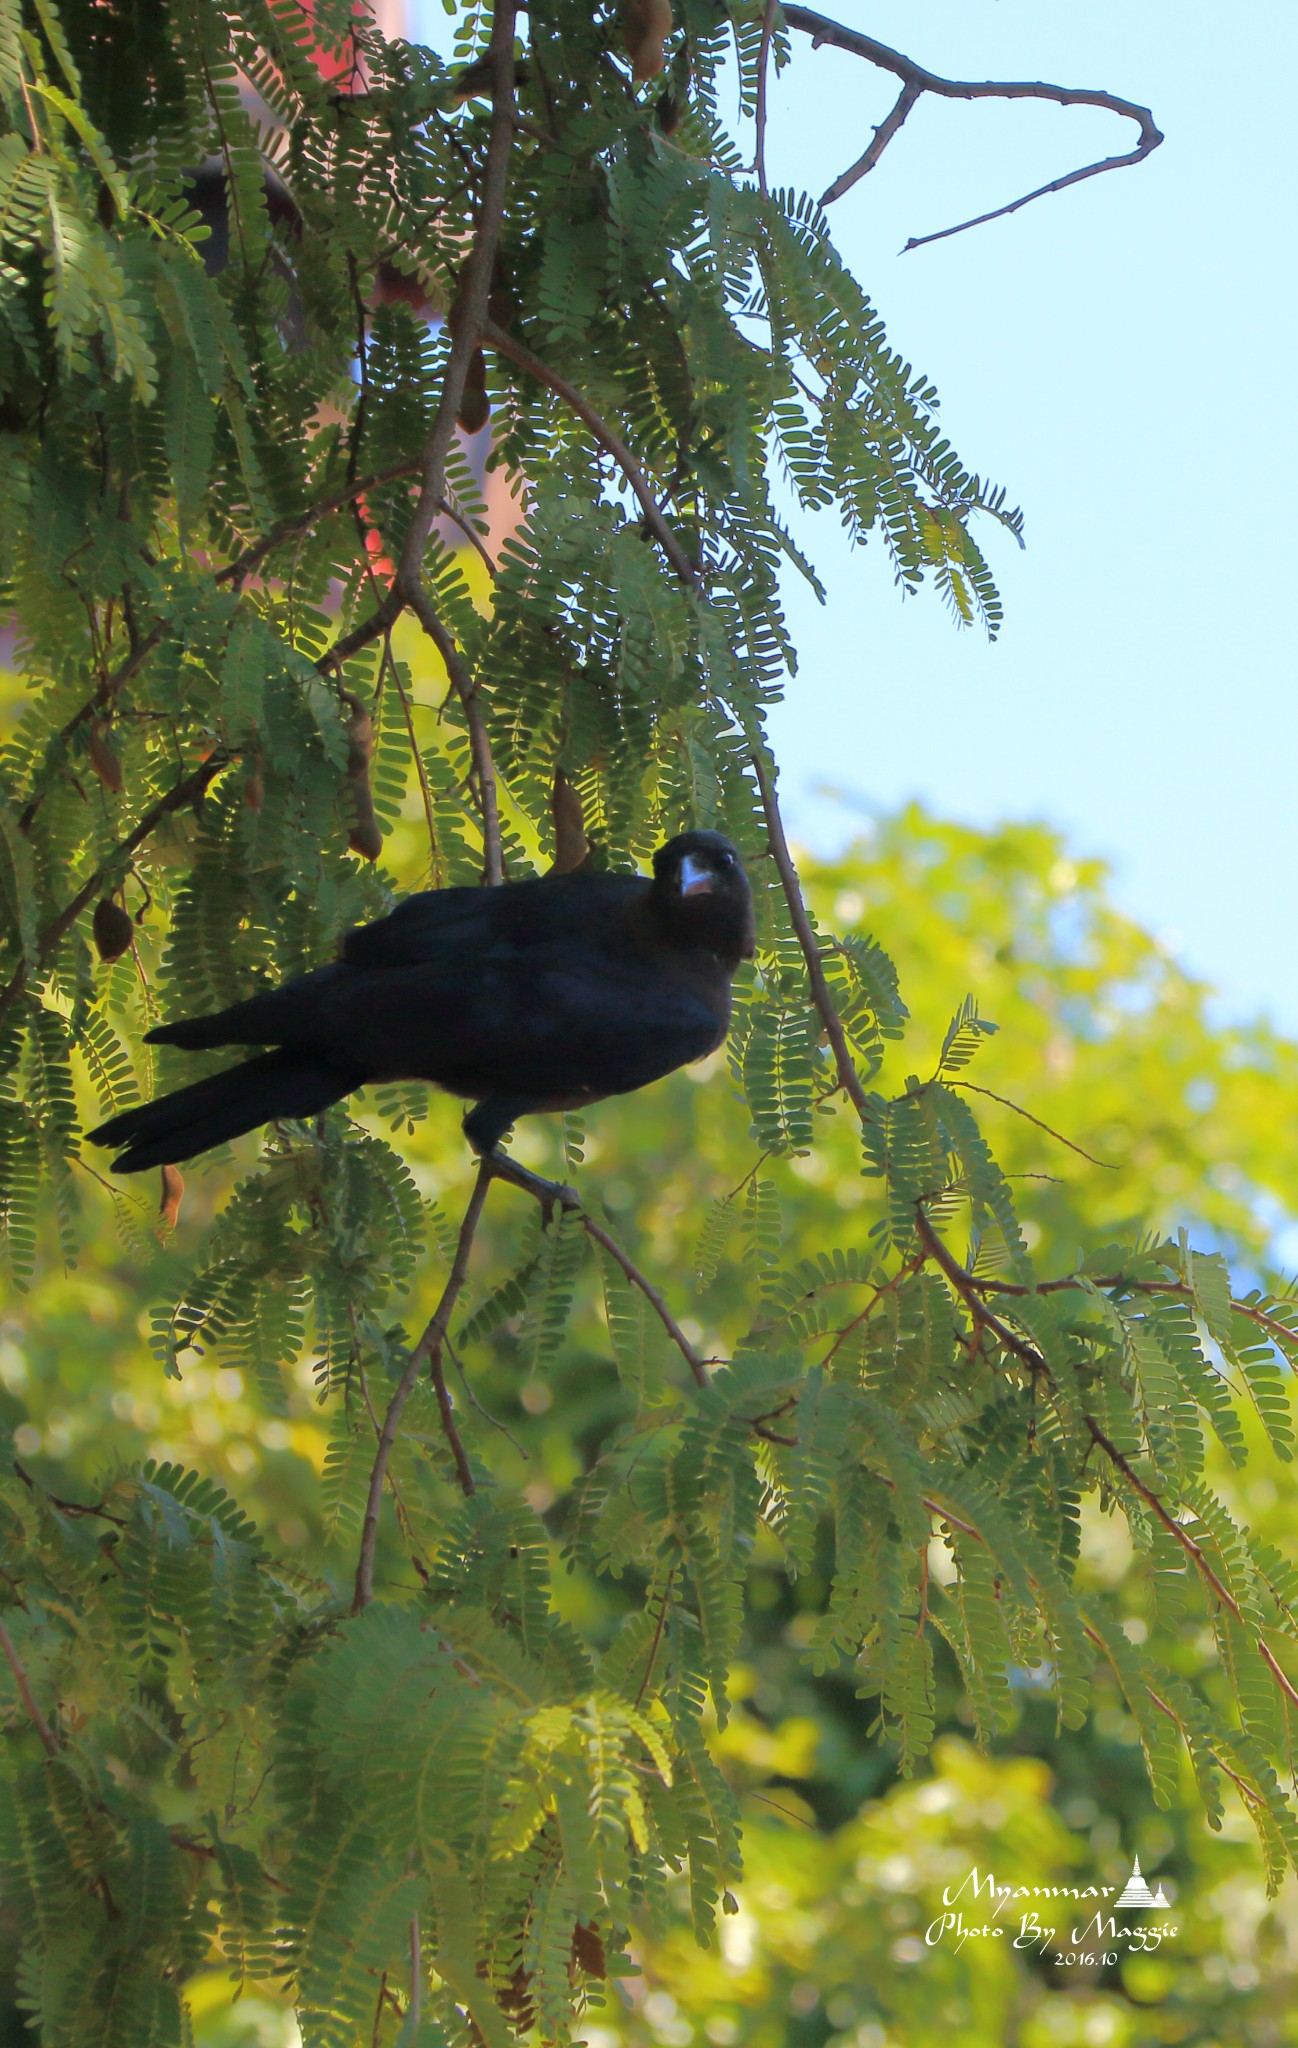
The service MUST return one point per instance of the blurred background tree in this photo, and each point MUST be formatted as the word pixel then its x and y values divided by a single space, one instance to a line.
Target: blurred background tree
pixel 242 460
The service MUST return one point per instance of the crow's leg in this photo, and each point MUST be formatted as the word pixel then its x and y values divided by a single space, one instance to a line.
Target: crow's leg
pixel 484 1127
pixel 489 1120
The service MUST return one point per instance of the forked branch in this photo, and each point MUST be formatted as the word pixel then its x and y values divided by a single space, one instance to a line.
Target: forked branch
pixel 917 80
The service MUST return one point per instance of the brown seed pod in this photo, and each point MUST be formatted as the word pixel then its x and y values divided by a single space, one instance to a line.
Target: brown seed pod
pixel 254 790
pixel 103 758
pixel 475 406
pixel 588 1949
pixel 365 835
pixel 173 1188
pixel 646 25
pixel 669 112
pixel 112 928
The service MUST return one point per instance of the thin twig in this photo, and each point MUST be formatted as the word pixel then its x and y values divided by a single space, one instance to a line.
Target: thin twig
pixel 66 1507
pixel 107 690
pixel 416 1980
pixel 696 1364
pixel 49 1741
pixel 1049 1129
pixel 428 1347
pixel 470 532
pixel 457 668
pixel 652 1658
pixel 968 1290
pixel 848 1077
pixel 521 355
pixel 879 141
pixel 555 1194
pixel 301 522
pixel 763 60
pixel 916 80
pixel 181 793
pixel 470 308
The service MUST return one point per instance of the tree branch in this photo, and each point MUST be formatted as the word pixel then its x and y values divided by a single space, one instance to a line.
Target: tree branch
pixel 469 311
pixel 479 744
pixel 429 1346
pixel 301 522
pixel 181 793
pixel 49 1741
pixel 844 1064
pixel 763 62
pixel 555 1194
pixel 967 1288
pixel 518 353
pixel 916 81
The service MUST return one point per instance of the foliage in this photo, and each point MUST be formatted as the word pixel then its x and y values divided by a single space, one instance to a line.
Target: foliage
pixel 457 1811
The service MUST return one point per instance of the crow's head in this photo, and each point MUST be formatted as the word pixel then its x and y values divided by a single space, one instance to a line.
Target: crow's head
pixel 703 895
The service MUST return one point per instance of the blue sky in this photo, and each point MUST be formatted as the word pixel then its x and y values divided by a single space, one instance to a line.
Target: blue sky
pixel 1120 357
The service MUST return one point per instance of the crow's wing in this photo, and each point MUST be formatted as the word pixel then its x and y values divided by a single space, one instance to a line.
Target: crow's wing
pixel 567 1019
pixel 449 924
pixel 455 932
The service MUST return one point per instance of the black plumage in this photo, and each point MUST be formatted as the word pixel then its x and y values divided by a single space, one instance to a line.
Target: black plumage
pixel 538 995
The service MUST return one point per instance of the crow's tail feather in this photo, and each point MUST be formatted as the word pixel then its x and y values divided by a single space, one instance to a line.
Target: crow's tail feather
pixel 193 1119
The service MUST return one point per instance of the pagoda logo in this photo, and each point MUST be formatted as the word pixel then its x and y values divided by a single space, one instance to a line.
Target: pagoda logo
pixel 1137 1892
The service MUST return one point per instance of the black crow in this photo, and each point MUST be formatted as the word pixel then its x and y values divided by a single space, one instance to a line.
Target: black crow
pixel 537 995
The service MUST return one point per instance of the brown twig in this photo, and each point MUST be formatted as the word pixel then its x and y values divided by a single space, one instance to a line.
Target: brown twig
pixel 652 1658
pixel 968 1290
pixel 763 60
pixel 1049 1129
pixel 428 1347
pixel 470 532
pixel 301 522
pixel 470 308
pixel 49 1741
pixel 916 81
pixel 521 355
pixel 66 1507
pixel 181 793
pixel 554 1193
pixel 107 690
pixel 848 1077
pixel 457 668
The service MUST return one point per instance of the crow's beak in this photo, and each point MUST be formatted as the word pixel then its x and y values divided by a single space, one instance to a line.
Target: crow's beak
pixel 697 879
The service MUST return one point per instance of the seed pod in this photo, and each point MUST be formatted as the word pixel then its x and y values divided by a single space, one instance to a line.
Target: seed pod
pixel 112 928
pixel 646 25
pixel 254 789
pixel 588 1949
pixel 173 1188
pixel 475 407
pixel 669 112
pixel 365 835
pixel 103 759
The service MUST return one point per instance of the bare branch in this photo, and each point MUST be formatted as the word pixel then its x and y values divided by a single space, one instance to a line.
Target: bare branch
pixel 879 141
pixel 916 81
pixel 519 353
